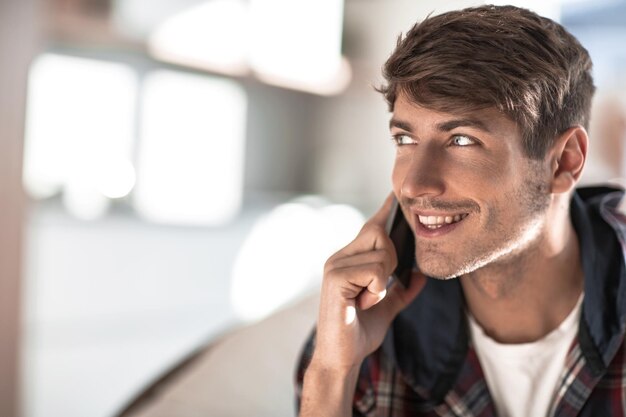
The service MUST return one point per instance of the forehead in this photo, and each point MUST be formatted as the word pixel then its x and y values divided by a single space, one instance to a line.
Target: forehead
pixel 489 119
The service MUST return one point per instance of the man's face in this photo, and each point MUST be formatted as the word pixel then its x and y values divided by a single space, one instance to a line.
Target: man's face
pixel 468 191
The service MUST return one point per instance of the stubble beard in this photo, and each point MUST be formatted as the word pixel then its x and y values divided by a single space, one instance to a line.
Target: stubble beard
pixel 498 242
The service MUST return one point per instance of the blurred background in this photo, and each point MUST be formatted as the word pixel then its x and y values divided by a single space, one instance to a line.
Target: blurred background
pixel 174 170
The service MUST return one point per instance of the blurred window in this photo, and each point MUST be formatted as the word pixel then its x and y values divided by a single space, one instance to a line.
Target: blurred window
pixel 191 150
pixel 212 35
pixel 308 58
pixel 79 131
pixel 276 41
pixel 82 133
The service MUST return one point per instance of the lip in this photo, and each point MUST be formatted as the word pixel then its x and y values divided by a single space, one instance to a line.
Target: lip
pixel 423 231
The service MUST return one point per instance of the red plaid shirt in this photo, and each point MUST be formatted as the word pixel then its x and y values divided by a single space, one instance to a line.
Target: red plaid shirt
pixel 427 366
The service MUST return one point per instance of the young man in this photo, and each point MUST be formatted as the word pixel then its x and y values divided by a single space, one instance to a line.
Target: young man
pixel 523 312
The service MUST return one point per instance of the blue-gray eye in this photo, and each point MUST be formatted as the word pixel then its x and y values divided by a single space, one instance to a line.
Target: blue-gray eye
pixel 462 140
pixel 401 139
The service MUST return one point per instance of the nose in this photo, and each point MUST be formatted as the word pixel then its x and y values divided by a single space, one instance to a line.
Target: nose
pixel 420 174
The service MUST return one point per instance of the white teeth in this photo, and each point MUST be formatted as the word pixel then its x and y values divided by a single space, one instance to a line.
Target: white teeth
pixel 435 222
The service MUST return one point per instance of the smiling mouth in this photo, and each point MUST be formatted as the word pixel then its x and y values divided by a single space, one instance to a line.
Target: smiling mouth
pixel 435 222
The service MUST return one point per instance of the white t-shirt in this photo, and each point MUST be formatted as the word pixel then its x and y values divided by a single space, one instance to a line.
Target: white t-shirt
pixel 522 378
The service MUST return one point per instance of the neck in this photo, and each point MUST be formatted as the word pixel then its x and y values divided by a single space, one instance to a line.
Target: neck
pixel 525 297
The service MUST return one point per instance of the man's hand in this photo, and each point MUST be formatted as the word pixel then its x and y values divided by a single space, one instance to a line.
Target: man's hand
pixel 356 310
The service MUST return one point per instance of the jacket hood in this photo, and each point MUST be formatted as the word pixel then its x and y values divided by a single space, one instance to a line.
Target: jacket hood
pixel 429 340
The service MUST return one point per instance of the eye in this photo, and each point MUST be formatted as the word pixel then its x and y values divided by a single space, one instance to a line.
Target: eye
pixel 462 140
pixel 402 139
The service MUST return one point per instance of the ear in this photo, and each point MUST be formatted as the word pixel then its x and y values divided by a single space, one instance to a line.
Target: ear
pixel 567 158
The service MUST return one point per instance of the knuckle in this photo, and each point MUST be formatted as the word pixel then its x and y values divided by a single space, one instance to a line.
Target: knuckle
pixel 386 259
pixel 366 226
pixel 378 270
pixel 373 228
pixel 382 255
pixel 393 265
pixel 333 275
pixel 329 265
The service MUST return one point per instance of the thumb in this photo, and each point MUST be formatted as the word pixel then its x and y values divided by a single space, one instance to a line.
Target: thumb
pixel 398 297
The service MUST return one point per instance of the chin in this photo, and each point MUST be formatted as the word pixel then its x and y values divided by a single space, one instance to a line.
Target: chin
pixel 440 272
pixel 445 269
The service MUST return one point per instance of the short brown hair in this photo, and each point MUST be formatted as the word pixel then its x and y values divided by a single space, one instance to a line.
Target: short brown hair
pixel 527 66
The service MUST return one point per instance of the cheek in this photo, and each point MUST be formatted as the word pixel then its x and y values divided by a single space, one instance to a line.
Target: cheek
pixel 486 175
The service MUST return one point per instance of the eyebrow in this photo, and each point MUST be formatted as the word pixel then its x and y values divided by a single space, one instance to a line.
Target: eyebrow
pixel 444 126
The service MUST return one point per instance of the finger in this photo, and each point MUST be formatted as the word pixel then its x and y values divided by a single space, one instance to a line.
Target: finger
pixel 383 256
pixel 351 281
pixel 398 297
pixel 367 299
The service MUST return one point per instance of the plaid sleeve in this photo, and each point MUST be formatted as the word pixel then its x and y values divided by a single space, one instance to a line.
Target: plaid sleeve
pixel 302 365
pixel 381 388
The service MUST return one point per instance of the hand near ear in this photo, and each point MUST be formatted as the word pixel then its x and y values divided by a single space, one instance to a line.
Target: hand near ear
pixel 356 309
